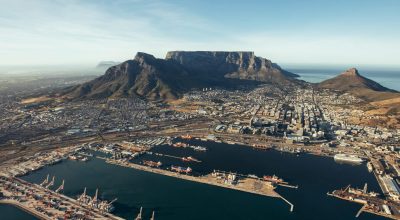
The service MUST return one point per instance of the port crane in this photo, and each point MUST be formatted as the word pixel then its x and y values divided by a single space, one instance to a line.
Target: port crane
pixel 83 198
pixel 51 183
pixel 139 216
pixel 112 201
pixel 60 188
pixel 45 181
pixel 365 188
pixel 94 199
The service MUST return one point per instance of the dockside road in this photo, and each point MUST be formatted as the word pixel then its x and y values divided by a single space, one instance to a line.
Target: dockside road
pixel 44 203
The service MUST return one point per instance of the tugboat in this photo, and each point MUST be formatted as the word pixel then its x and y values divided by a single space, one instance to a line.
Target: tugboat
pixel 152 163
pixel 181 169
pixel 190 159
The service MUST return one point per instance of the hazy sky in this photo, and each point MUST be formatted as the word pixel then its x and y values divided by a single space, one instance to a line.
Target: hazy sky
pixel 354 32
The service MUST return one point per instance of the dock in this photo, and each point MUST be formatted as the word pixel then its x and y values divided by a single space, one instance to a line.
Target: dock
pixel 370 204
pixel 44 203
pixel 249 185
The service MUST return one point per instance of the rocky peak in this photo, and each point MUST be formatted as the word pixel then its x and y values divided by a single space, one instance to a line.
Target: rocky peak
pixel 230 64
pixel 235 57
pixel 351 72
pixel 144 58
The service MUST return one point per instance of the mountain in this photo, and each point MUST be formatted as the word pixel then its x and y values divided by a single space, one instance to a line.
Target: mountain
pixel 145 76
pixel 236 65
pixel 106 64
pixel 351 81
pixel 164 79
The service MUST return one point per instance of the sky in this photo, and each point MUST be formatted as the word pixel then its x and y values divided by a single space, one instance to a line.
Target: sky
pixel 63 32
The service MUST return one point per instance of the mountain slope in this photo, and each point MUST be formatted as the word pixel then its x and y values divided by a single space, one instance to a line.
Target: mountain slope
pixel 351 81
pixel 144 76
pixel 164 79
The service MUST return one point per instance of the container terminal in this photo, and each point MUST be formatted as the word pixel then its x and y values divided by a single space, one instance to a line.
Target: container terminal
pixel 371 202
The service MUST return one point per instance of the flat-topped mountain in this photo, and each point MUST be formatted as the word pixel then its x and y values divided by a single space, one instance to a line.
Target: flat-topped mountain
pixel 163 79
pixel 238 65
pixel 351 81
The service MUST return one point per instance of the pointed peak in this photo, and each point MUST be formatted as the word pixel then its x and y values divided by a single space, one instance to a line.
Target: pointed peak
pixel 143 57
pixel 351 72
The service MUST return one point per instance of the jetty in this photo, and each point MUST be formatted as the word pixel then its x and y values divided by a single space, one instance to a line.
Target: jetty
pixel 217 178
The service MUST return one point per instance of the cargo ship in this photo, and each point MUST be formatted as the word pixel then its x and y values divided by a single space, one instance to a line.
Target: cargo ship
pixel 273 179
pixel 187 136
pixel 152 163
pixel 199 148
pixel 190 159
pixel 179 144
pixel 347 158
pixel 181 169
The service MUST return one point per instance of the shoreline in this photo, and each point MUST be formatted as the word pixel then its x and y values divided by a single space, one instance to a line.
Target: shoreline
pixel 21 207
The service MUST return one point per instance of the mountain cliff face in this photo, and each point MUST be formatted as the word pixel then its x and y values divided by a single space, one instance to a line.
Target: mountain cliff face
pixel 163 79
pixel 144 76
pixel 351 81
pixel 237 65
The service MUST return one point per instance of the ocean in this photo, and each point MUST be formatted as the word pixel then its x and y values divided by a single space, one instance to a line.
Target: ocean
pixel 389 78
pixel 173 198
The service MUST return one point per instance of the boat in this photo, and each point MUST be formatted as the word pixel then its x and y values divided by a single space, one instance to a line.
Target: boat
pixel 273 179
pixel 179 144
pixel 199 148
pixel 181 169
pixel 347 158
pixel 84 159
pixel 190 159
pixel 152 163
pixel 86 154
pixel 73 157
pixel 187 136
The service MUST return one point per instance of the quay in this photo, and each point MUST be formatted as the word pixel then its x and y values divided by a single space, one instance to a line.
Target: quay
pixel 44 203
pixel 369 201
pixel 245 184
pixel 25 208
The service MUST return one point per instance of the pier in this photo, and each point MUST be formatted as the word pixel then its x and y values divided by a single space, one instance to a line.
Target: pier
pixel 370 203
pixel 244 184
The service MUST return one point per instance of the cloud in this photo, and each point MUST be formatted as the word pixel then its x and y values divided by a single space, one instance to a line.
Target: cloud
pixel 62 31
pixel 77 31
